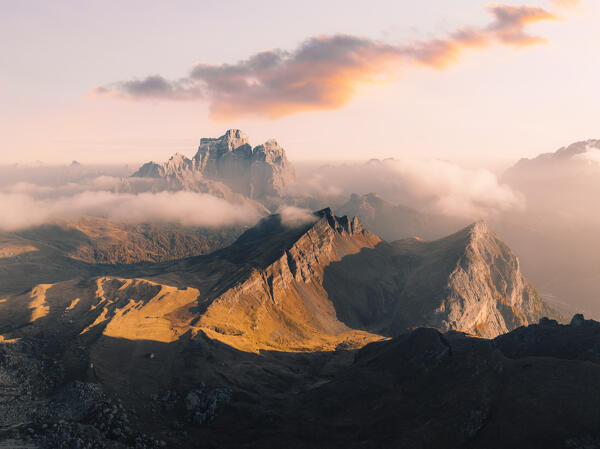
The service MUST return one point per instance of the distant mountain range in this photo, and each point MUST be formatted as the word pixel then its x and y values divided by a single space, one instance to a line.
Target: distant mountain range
pixel 577 153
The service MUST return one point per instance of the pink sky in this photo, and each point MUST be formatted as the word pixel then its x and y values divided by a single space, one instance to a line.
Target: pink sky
pixel 487 100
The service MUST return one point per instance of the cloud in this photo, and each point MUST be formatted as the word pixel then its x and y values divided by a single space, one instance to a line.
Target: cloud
pixel 294 216
pixel 510 22
pixel 324 71
pixel 429 185
pixel 591 154
pixel 41 190
pixel 566 4
pixel 154 86
pixel 21 210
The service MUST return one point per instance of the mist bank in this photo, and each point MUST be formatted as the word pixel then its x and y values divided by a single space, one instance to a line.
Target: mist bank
pixel 21 211
pixel 428 185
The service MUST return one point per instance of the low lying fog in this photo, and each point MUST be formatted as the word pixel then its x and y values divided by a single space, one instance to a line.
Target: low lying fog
pixel 427 185
pixel 32 196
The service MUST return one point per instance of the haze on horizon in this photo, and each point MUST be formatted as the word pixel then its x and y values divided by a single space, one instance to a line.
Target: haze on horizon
pixel 480 84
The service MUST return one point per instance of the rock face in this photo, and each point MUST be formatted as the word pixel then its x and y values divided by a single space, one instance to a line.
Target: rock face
pixel 469 281
pixel 280 301
pixel 487 293
pixel 258 173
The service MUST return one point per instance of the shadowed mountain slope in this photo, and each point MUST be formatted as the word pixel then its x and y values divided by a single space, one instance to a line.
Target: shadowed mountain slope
pixel 419 389
pixel 469 281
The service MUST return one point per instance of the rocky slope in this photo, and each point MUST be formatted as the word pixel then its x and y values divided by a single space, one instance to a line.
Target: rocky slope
pixel 318 284
pixel 469 281
pixel 263 292
pixel 419 389
pixel 426 389
pixel 93 246
pixel 227 162
pixel 97 240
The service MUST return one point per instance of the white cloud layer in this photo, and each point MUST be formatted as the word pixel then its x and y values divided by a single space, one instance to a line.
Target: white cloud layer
pixel 295 216
pixel 22 210
pixel 430 185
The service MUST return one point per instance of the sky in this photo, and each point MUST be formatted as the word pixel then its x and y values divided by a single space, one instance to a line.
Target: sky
pixel 478 83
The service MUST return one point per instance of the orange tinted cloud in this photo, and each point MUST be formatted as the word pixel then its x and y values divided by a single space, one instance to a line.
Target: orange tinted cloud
pixel 566 4
pixel 324 71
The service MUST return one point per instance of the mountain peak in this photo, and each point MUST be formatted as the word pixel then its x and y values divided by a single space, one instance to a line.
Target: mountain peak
pixel 341 224
pixel 325 212
pixel 257 173
pixel 478 228
pixel 230 141
pixel 235 138
pixel 234 134
pixel 178 156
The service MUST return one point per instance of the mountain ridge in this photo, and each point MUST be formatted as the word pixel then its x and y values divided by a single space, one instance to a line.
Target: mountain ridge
pixel 312 286
pixel 468 281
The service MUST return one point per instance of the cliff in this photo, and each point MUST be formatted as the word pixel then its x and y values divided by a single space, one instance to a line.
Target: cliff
pixel 257 173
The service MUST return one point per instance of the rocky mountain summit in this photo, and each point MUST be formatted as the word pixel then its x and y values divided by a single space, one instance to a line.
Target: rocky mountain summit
pixel 469 281
pixel 255 172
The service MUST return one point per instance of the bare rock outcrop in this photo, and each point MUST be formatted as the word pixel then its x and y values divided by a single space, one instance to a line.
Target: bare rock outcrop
pixel 469 281
pixel 257 173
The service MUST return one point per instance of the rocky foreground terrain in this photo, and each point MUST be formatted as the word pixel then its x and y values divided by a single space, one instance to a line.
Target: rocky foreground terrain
pixel 536 386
